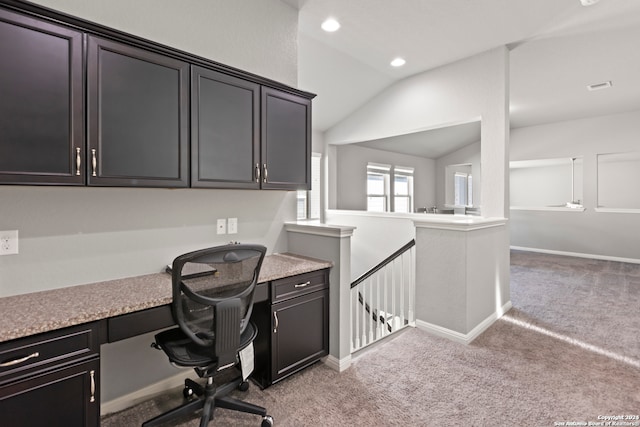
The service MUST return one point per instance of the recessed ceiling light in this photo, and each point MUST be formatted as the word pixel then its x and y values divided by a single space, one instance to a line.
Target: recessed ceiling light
pixel 598 86
pixel 330 25
pixel 398 62
pixel 588 2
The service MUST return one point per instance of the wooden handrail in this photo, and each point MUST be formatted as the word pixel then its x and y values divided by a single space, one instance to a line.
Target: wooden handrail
pixel 383 263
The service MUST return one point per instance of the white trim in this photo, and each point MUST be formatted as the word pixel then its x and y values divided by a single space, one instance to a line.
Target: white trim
pixel 547 208
pixel 318 229
pixel 145 393
pixel 577 254
pixel 338 364
pixel 461 223
pixel 460 337
pixel 617 210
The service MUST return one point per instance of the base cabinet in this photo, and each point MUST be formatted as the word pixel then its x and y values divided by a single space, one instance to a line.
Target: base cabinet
pixel 60 398
pixel 298 315
pixel 51 379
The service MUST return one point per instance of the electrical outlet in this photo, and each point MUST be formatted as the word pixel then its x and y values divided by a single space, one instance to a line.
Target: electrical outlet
pixel 232 225
pixel 222 226
pixel 8 242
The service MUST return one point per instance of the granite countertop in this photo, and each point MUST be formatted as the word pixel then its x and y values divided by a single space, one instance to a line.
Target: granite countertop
pixel 37 312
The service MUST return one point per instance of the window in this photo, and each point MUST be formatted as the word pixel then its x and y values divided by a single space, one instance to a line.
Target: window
pixel 402 189
pixel 463 189
pixel 383 180
pixel 377 187
pixel 309 201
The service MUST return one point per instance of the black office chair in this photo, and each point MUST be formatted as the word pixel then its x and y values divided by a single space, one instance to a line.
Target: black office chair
pixel 212 302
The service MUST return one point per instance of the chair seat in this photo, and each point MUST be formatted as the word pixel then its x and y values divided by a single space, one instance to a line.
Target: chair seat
pixel 184 352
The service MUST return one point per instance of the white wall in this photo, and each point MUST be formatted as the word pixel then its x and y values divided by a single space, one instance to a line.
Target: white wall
pixel 255 36
pixel 376 236
pixel 351 175
pixel 79 235
pixel 455 93
pixel 602 234
pixel 71 236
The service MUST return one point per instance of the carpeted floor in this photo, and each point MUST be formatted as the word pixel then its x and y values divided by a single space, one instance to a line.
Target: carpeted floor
pixel 568 352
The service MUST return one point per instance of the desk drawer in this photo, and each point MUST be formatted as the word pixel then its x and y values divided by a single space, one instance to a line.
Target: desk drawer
pixel 58 347
pixel 302 284
pixel 139 322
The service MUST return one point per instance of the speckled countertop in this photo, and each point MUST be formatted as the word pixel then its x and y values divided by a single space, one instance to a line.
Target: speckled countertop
pixel 37 312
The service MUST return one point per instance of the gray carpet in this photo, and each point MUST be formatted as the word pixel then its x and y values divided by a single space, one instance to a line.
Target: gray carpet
pixel 568 351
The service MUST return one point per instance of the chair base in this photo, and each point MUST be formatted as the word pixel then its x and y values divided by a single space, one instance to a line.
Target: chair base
pixel 208 398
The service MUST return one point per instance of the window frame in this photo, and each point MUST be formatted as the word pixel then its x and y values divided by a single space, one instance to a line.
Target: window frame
pixel 384 171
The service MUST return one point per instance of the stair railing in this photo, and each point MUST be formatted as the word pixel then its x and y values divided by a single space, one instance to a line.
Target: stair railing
pixel 383 298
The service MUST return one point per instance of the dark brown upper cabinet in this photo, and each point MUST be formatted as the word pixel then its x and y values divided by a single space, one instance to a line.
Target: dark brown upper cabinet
pixel 286 140
pixel 137 112
pixel 41 102
pixel 83 104
pixel 225 131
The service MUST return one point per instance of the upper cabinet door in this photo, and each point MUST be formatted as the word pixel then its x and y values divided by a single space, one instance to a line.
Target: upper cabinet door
pixel 41 102
pixel 137 117
pixel 286 141
pixel 225 136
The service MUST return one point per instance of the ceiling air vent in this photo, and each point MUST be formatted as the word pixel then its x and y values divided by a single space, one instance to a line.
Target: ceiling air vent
pixel 599 86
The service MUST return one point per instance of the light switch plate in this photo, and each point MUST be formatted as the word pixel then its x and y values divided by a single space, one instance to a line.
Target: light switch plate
pixel 221 228
pixel 232 225
pixel 9 242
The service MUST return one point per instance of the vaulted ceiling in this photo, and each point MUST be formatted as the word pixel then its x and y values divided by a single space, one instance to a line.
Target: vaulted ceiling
pixel 557 48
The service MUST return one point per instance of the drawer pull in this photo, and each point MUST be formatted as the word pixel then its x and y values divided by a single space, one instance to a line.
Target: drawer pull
pixel 257 174
pixel 275 318
pixel 94 162
pixel 266 173
pixel 19 360
pixel 92 373
pixel 78 161
pixel 303 285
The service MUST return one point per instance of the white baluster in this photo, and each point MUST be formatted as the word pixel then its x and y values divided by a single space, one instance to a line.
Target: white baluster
pixel 355 341
pixel 363 311
pixel 403 290
pixel 376 309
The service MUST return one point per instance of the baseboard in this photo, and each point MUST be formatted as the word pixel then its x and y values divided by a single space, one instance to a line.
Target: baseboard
pixel 145 393
pixel 458 336
pixel 338 364
pixel 138 396
pixel 577 254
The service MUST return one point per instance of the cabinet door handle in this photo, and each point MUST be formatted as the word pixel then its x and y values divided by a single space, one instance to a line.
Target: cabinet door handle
pixel 275 318
pixel 94 162
pixel 92 373
pixel 257 174
pixel 19 360
pixel 78 161
pixel 266 173
pixel 302 285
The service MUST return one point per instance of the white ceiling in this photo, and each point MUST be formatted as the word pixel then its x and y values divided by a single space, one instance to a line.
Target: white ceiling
pixel 557 48
pixel 431 143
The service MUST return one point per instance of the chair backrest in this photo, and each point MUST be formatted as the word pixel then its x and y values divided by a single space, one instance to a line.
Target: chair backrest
pixel 215 282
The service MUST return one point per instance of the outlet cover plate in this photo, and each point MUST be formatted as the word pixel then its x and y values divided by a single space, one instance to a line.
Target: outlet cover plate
pixel 221 227
pixel 9 242
pixel 232 225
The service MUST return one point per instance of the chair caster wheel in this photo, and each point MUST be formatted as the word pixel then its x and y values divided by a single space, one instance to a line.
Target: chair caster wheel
pixel 243 386
pixel 187 392
pixel 267 421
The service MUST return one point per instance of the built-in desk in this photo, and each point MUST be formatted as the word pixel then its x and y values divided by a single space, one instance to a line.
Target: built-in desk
pixel 50 340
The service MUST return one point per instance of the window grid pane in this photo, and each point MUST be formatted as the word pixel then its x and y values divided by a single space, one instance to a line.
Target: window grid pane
pixel 377 203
